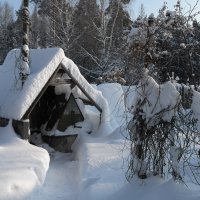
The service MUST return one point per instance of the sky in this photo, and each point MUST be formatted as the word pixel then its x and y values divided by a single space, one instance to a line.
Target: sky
pixel 153 6
pixel 14 3
pixel 150 6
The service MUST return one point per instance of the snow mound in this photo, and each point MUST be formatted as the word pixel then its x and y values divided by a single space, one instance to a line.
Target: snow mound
pixel 102 167
pixel 100 175
pixel 23 166
pixel 157 101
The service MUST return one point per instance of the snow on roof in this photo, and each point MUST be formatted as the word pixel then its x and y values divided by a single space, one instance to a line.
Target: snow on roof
pixel 15 100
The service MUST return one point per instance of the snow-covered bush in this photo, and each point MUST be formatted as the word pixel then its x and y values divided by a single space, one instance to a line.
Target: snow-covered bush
pixel 164 135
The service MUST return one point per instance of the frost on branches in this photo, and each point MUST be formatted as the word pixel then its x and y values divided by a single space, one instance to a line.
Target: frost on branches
pixel 167 43
pixel 164 135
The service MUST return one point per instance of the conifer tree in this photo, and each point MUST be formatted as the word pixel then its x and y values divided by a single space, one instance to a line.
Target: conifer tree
pixel 86 45
pixel 6 30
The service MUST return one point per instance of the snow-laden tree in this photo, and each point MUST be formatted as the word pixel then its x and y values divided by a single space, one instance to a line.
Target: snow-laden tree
pixel 112 34
pixel 164 136
pixel 53 23
pixel 101 45
pixel 169 46
pixel 6 29
pixel 92 33
pixel 177 46
pixel 141 42
pixel 39 30
pixel 86 48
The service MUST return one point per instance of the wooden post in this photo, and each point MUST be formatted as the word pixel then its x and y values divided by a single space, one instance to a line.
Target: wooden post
pixel 22 128
pixel 24 68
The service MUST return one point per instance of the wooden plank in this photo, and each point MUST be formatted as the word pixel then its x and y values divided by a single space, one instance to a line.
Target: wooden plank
pixel 86 101
pixel 22 128
pixel 71 114
pixel 56 111
pixel 59 81
pixel 3 122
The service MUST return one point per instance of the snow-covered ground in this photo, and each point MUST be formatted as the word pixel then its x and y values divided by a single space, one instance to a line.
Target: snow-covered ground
pixel 22 166
pixel 62 179
pixel 94 171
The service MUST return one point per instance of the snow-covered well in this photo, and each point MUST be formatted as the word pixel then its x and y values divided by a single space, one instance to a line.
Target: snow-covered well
pixel 43 64
pixel 17 101
pixel 25 103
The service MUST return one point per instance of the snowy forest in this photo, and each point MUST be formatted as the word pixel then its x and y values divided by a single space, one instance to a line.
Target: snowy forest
pixel 156 55
pixel 106 44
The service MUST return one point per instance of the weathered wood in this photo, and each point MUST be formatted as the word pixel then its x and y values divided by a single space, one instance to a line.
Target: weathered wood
pixel 59 81
pixel 21 127
pixel 86 101
pixel 58 107
pixel 25 17
pixel 71 114
pixel 3 122
pixel 43 109
pixel 25 42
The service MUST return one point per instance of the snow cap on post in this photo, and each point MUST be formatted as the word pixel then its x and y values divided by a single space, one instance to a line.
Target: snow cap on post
pixel 24 68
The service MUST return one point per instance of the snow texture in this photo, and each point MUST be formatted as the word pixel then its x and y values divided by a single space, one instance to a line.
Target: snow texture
pixel 95 171
pixel 23 166
pixel 158 101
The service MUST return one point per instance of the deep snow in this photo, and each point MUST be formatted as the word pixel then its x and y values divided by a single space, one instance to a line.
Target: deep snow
pixel 62 179
pixel 95 171
pixel 22 166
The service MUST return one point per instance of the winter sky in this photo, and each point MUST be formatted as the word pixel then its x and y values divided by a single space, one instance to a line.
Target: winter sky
pixel 151 6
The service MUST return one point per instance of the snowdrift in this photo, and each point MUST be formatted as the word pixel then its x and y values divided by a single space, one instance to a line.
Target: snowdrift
pixel 23 166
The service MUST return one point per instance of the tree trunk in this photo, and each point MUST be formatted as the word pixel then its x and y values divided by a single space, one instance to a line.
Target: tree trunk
pixel 24 69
